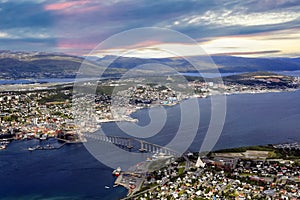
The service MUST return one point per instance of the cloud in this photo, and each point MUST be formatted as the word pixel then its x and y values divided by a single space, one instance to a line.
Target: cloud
pixel 270 44
pixel 117 16
pixel 247 53
pixel 230 18
pixel 4 35
pixel 273 43
pixel 25 32
pixel 79 25
pixel 267 5
pixel 23 14
pixel 71 7
pixel 237 17
pixel 64 5
pixel 68 45
pixel 25 25
pixel 28 44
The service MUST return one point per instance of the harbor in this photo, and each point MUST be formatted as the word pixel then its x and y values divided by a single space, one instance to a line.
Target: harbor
pixel 131 181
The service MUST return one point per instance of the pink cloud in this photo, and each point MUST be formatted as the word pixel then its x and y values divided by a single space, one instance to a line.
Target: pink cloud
pixel 142 44
pixel 65 5
pixel 79 48
pixel 75 45
pixel 75 48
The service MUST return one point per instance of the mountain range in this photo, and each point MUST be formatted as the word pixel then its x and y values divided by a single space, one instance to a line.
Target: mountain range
pixel 224 63
pixel 43 64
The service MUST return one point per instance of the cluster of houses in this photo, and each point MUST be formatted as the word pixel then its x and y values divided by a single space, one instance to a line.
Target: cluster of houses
pixel 252 84
pixel 23 116
pixel 38 114
pixel 294 145
pixel 144 95
pixel 224 178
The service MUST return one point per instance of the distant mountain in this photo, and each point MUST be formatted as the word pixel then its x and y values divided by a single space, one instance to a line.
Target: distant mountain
pixel 38 65
pixel 224 63
pixel 131 62
pixel 49 65
pixel 241 64
pixel 295 60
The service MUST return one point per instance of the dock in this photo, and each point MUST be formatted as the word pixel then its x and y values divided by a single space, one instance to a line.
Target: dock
pixel 71 141
pixel 131 181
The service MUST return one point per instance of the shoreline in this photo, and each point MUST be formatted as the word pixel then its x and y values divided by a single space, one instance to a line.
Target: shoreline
pixel 252 152
pixel 129 118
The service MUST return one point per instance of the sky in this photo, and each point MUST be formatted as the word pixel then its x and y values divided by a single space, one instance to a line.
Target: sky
pixel 249 28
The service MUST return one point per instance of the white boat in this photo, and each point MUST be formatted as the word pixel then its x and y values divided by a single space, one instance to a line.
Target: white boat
pixel 31 148
pixel 117 171
pixel 2 147
pixel 44 137
pixel 106 187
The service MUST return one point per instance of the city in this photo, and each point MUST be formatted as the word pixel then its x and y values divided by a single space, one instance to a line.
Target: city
pixel 46 112
pixel 149 100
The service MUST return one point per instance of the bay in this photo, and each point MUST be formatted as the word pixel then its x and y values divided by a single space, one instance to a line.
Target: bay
pixel 72 173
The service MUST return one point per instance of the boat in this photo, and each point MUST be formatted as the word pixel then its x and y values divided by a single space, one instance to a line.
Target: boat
pixel 44 137
pixel 2 147
pixel 31 148
pixel 39 147
pixel 117 171
pixel 5 142
pixel 106 187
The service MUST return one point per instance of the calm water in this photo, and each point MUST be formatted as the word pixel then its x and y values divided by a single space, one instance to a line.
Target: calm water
pixel 67 173
pixel 214 75
pixel 72 173
pixel 289 73
pixel 251 119
pixel 43 80
pixel 69 80
pixel 209 75
pixel 29 81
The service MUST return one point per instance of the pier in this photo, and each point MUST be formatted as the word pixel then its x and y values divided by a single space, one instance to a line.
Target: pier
pixel 131 181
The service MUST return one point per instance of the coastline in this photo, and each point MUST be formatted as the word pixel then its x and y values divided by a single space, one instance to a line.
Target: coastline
pixel 129 118
pixel 142 108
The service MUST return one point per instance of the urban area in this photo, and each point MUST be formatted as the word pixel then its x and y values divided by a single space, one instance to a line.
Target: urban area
pixel 41 112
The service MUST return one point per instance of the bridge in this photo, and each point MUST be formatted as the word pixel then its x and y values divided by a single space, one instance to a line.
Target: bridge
pixel 129 143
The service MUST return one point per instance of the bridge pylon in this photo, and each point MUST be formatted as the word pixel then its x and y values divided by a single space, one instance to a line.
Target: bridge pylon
pixel 142 149
pixel 129 145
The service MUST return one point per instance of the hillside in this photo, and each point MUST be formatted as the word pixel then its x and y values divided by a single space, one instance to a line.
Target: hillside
pixel 224 63
pixel 268 79
pixel 38 65
pixel 240 64
pixel 57 65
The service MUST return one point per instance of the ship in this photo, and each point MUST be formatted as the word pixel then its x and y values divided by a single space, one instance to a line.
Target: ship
pixel 117 171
